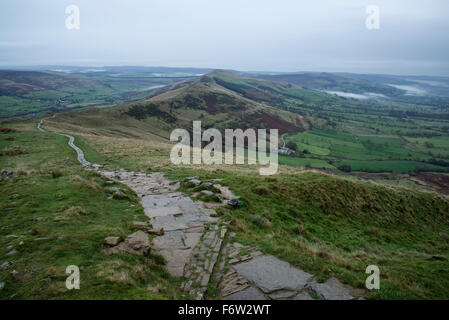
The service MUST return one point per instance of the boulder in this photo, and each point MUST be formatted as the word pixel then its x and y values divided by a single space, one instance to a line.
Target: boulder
pixel 112 241
pixel 139 241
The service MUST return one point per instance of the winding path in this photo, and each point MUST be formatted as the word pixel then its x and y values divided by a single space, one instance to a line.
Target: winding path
pixel 283 141
pixel 71 143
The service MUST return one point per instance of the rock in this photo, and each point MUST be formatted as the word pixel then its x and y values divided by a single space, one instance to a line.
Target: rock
pixel 232 282
pixel 159 232
pixel 139 241
pixel 9 247
pixel 11 252
pixel 39 219
pixel 205 280
pixel 41 239
pixel 192 178
pixel 250 293
pixel 14 196
pixel 2 285
pixel 5 265
pixel 140 224
pixel 14 272
pixel 207 193
pixel 112 241
pixel 185 221
pixel 121 248
pixel 117 193
pixel 225 192
pixel 282 294
pixel 271 274
pixel 256 254
pixel 194 182
pixel 332 289
pixel 234 204
pixel 302 296
pixel 206 185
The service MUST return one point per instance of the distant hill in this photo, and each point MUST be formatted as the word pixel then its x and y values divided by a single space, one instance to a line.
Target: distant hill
pixel 334 82
pixel 29 93
pixel 16 83
pixel 220 99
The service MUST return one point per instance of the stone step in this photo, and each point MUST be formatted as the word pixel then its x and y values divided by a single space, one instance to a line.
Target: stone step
pixel 199 270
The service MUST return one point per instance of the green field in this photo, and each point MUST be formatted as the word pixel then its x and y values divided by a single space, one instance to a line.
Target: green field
pixel 77 92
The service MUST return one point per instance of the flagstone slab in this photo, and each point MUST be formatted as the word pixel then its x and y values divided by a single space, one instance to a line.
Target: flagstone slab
pixel 271 274
pixel 332 289
pixel 250 293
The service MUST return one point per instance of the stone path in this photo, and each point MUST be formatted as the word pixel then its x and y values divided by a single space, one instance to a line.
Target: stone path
pixel 181 219
pixel 197 246
pixel 192 239
pixel 252 275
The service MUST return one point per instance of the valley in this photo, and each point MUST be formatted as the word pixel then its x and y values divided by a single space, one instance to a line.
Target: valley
pixel 367 185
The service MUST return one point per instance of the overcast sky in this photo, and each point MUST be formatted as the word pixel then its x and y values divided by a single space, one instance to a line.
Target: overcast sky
pixel 274 35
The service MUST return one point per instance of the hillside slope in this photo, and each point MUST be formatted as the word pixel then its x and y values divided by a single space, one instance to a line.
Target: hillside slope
pixel 219 99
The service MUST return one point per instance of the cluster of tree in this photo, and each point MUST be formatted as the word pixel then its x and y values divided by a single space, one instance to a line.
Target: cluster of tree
pixel 149 110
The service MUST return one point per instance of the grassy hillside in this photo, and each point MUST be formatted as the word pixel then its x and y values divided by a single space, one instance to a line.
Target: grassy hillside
pixel 207 98
pixel 55 214
pixel 325 224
